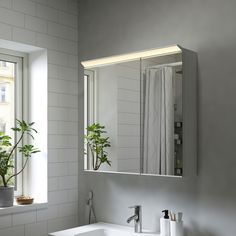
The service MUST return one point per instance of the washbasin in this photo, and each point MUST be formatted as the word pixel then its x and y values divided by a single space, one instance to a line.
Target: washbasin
pixel 102 229
pixel 104 232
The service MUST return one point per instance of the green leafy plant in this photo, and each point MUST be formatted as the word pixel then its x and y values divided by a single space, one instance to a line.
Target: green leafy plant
pixel 7 150
pixel 97 144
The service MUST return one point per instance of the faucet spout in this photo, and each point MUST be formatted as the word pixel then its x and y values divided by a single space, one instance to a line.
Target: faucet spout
pixel 134 217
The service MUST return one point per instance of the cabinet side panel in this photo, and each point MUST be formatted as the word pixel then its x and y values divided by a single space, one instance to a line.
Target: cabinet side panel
pixel 189 113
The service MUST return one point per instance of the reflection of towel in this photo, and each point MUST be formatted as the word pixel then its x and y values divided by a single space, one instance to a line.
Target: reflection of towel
pixel 158 146
pixel 89 210
pixel 89 216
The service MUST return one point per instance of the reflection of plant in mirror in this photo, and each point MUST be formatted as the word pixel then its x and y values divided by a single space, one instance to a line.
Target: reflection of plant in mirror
pixel 7 151
pixel 96 144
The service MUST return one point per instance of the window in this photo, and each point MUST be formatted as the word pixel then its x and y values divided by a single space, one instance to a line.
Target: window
pixel 89 107
pixel 30 80
pixel 89 98
pixel 2 127
pixel 3 94
pixel 11 105
pixel 3 64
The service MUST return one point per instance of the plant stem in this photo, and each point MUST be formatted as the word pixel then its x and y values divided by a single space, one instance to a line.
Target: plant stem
pixel 96 165
pixel 99 165
pixel 18 172
pixel 91 150
pixel 15 146
pixel 4 180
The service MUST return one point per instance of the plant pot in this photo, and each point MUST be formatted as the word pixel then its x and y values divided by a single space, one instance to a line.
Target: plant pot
pixel 6 196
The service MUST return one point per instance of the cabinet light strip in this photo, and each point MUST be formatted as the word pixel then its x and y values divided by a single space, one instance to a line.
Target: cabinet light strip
pixel 132 56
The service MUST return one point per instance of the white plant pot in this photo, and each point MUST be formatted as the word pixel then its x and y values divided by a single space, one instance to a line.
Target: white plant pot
pixel 6 196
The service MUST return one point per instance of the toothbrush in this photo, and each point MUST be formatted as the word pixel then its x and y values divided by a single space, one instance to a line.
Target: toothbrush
pixel 172 216
pixel 179 216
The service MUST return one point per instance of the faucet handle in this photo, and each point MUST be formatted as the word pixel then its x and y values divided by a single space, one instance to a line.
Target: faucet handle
pixel 135 207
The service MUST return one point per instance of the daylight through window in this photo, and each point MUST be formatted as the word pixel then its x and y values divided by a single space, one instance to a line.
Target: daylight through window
pixel 11 103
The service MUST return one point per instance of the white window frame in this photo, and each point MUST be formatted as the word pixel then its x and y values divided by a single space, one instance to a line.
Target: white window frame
pixel 90 108
pixel 21 104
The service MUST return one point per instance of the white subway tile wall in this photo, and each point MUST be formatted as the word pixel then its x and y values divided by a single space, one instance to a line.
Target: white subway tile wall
pixel 128 104
pixel 51 24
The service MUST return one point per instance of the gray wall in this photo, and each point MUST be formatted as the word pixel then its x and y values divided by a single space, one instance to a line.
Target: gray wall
pixel 51 25
pixel 109 27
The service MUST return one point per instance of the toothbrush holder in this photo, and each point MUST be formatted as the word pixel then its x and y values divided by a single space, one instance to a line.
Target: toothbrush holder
pixel 176 228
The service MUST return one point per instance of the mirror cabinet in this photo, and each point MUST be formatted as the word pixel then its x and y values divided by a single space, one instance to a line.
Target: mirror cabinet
pixel 140 113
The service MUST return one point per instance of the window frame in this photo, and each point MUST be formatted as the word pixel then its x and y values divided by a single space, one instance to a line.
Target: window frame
pixel 20 101
pixel 90 109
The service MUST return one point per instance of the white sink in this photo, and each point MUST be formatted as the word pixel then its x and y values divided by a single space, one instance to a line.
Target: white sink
pixel 104 232
pixel 102 229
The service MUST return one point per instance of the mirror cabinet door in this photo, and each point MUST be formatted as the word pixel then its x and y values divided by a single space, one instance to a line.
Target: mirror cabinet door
pixel 161 115
pixel 112 118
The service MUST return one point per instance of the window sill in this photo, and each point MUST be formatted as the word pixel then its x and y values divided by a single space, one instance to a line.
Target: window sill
pixel 23 208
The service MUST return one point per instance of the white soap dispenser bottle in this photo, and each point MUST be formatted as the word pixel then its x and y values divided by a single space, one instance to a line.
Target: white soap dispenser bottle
pixel 165 224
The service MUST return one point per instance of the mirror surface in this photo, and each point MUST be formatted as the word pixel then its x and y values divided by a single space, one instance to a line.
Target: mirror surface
pixel 133 116
pixel 113 101
pixel 161 115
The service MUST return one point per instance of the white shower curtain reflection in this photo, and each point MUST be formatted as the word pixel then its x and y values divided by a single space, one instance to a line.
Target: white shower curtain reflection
pixel 158 141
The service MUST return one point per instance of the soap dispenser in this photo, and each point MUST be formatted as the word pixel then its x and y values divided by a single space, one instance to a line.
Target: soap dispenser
pixel 165 224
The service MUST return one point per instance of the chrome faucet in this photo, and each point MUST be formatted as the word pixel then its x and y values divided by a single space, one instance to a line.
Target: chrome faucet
pixel 137 217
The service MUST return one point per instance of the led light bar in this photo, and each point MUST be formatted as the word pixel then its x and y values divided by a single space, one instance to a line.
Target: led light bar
pixel 132 56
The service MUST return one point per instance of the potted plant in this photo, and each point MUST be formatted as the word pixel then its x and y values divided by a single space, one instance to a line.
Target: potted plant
pixel 7 154
pixel 97 144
